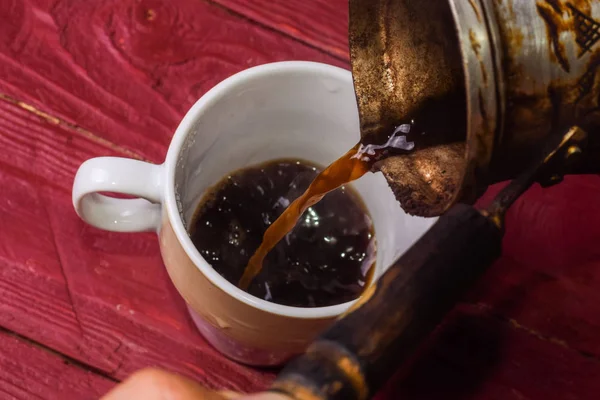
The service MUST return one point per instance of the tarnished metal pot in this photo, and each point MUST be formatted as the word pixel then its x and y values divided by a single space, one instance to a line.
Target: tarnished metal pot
pixel 488 79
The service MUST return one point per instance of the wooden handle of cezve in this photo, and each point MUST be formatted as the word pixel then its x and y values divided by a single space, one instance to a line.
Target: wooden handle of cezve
pixel 353 358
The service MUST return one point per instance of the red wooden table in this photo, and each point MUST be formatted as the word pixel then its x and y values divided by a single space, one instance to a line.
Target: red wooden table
pixel 81 309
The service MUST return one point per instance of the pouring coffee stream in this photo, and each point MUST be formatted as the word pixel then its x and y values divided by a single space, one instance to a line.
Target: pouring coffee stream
pixel 351 166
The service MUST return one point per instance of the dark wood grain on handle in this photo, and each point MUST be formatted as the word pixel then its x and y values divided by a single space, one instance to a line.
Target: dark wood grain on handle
pixel 360 352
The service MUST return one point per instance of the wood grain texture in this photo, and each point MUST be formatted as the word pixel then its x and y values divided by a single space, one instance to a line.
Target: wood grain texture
pixel 129 70
pixel 548 278
pixel 45 375
pixel 319 23
pixel 476 356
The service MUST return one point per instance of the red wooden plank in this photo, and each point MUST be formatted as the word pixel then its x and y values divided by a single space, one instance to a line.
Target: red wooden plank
pixel 128 70
pixel 46 151
pixel 476 356
pixel 320 23
pixel 30 372
pixel 549 276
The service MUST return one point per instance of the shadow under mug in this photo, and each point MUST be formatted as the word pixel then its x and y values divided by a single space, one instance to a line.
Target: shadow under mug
pixel 294 109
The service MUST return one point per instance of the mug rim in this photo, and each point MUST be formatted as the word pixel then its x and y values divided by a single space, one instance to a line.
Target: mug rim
pixel 182 131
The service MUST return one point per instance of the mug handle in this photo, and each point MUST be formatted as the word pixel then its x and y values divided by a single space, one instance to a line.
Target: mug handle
pixel 124 176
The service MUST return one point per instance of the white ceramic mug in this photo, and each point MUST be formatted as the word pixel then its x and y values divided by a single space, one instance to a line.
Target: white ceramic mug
pixel 282 110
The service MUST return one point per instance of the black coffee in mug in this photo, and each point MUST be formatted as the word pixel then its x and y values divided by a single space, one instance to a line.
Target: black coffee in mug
pixel 328 257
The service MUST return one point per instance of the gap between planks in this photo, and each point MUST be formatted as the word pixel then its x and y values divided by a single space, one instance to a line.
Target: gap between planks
pixel 514 324
pixel 275 30
pixel 66 359
pixel 70 127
